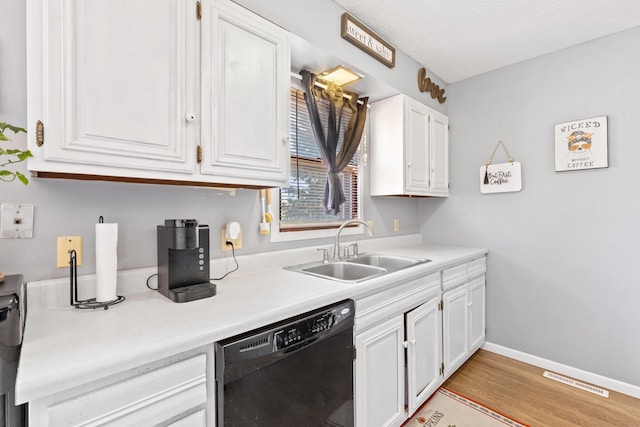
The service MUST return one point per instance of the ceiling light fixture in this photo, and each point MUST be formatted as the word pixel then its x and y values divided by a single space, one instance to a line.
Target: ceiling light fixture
pixel 340 75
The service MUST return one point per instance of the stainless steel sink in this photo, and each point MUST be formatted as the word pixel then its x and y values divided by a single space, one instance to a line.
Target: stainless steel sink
pixel 344 271
pixel 357 269
pixel 388 262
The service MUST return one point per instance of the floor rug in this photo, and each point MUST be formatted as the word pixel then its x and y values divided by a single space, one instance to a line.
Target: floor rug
pixel 448 409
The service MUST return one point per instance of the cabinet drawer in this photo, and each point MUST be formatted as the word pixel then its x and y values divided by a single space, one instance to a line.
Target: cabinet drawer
pixel 146 399
pixel 455 276
pixel 396 299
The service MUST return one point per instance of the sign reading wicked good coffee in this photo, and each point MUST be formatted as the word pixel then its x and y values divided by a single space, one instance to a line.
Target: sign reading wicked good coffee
pixel 581 144
pixel 365 39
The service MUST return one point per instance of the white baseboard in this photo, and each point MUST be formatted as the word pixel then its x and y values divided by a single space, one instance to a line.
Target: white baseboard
pixel 579 374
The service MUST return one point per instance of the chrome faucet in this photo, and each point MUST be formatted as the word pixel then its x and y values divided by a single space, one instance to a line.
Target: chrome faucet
pixel 336 247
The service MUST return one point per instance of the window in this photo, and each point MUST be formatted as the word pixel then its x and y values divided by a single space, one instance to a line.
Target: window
pixel 301 203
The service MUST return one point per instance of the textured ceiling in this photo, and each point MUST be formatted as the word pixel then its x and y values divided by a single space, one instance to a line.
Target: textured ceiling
pixel 458 39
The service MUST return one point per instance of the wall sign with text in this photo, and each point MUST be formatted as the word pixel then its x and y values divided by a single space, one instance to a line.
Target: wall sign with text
pixel 581 144
pixel 501 178
pixel 363 38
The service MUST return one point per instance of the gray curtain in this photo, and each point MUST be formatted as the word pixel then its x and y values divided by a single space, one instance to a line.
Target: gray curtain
pixel 329 130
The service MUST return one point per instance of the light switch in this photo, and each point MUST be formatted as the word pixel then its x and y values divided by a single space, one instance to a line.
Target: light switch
pixel 16 221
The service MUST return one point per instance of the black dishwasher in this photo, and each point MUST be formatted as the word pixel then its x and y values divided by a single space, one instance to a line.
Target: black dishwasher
pixel 298 372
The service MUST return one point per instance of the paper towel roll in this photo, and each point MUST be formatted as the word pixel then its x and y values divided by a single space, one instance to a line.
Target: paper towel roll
pixel 106 261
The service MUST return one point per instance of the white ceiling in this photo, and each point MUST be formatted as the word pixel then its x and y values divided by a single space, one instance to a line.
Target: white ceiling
pixel 457 39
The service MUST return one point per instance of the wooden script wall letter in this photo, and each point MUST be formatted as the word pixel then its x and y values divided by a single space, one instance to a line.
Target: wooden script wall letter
pixel 426 85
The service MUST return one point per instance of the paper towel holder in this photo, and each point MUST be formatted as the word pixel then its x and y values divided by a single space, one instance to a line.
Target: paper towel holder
pixel 73 289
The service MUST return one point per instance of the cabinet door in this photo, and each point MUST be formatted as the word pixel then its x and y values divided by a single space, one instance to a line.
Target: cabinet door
pixel 476 313
pixel 176 392
pixel 424 352
pixel 379 391
pixel 245 96
pixel 439 148
pixel 417 162
pixel 198 419
pixel 455 323
pixel 110 80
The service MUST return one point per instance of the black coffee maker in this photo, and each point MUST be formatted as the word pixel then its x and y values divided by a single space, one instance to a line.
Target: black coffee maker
pixel 183 260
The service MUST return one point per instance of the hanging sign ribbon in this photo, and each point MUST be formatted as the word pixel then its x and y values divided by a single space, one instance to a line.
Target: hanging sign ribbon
pixel 501 177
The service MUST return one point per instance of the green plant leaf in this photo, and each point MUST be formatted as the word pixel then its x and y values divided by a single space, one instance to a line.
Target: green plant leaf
pixel 12 128
pixel 23 179
pixel 16 129
pixel 24 155
pixel 12 155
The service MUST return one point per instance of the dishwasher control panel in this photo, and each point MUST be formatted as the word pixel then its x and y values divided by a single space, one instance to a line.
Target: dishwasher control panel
pixel 290 334
pixel 302 331
pixel 310 328
pixel 322 323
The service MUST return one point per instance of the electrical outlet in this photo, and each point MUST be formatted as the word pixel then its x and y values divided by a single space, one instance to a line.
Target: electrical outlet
pixel 65 245
pixel 237 243
pixel 396 224
pixel 16 221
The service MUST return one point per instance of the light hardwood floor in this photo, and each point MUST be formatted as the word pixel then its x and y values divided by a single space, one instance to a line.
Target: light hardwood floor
pixel 519 391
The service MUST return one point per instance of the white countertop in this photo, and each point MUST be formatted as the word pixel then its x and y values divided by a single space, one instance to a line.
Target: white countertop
pixel 64 347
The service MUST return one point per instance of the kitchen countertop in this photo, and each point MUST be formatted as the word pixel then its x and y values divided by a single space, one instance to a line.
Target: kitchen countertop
pixel 65 347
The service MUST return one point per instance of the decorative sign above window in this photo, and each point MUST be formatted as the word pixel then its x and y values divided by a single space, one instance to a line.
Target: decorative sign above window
pixel 581 144
pixel 502 177
pixel 362 37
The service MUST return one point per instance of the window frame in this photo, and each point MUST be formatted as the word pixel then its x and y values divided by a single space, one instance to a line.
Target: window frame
pixel 323 230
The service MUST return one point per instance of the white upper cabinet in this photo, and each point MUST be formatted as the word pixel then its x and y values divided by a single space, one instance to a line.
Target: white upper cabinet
pixel 109 81
pixel 117 86
pixel 245 106
pixel 417 156
pixel 439 153
pixel 409 149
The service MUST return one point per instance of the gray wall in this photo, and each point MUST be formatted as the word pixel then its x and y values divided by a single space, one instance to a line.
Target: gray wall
pixel 65 207
pixel 319 23
pixel 562 279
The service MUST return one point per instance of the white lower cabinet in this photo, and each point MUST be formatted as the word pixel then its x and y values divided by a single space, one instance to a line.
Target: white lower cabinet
pixel 411 337
pixel 463 322
pixel 398 359
pixel 380 374
pixel 424 352
pixel 175 392
pixel 198 419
